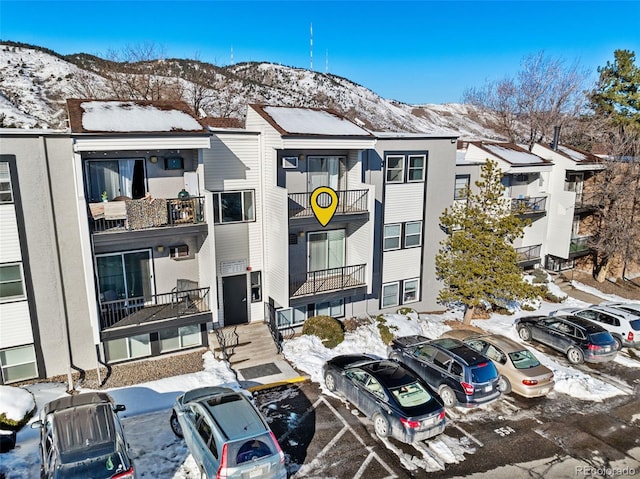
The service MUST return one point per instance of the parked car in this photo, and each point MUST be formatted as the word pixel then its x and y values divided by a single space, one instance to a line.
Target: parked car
pixel 397 401
pixel 579 339
pixel 520 371
pixel 461 375
pixel 226 434
pixel 623 325
pixel 633 308
pixel 81 437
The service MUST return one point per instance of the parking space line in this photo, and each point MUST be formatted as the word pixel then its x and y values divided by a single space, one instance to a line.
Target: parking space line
pixel 365 464
pixel 468 434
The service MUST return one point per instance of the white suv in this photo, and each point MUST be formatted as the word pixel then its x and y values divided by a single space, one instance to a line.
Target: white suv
pixel 633 308
pixel 623 325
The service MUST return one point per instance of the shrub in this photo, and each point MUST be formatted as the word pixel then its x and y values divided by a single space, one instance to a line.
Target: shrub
pixel 386 333
pixel 10 394
pixel 539 276
pixel 552 298
pixel 328 329
pixel 406 311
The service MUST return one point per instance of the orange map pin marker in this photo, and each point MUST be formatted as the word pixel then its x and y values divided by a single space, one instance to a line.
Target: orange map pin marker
pixel 323 209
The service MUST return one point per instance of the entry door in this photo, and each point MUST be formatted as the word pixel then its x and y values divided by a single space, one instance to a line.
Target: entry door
pixel 234 299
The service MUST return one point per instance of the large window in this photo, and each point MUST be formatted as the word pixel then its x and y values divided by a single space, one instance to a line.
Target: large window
pixel 326 250
pixel 390 294
pixel 18 364
pixel 11 282
pixel 6 192
pixel 392 235
pixel 180 338
pixel 410 231
pixel 397 164
pixel 233 207
pixel 413 234
pixel 122 177
pixel 128 348
pixel 395 169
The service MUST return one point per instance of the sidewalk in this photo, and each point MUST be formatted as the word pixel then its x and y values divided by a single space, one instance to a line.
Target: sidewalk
pixel 576 293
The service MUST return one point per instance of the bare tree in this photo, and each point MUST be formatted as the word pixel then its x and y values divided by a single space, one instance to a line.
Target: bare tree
pixel 543 94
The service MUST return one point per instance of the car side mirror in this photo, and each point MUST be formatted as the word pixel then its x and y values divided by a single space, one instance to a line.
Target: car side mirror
pixel 120 407
pixel 37 424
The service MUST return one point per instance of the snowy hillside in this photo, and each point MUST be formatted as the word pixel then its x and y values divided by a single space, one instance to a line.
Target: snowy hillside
pixel 35 84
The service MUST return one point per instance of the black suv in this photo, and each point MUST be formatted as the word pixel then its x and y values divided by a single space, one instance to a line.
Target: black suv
pixel 461 375
pixel 81 437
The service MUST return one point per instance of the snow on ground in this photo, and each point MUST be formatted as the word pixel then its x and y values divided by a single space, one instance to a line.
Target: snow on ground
pixel 159 454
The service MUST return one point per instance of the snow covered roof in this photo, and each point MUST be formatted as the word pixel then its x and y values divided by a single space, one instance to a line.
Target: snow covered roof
pixel 414 136
pixel 115 116
pixel 309 121
pixel 511 153
pixel 577 155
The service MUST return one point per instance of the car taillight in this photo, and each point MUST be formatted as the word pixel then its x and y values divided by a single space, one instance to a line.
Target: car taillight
pixel 441 415
pixel 275 441
pixel 409 424
pixel 128 474
pixel 222 470
pixel 594 347
pixel 529 382
pixel 468 388
pixel 630 336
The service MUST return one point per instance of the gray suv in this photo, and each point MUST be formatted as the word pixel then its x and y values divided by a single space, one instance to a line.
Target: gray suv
pixel 81 437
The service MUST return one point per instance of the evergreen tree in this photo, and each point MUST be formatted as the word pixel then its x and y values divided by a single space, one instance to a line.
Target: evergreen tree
pixel 477 261
pixel 617 92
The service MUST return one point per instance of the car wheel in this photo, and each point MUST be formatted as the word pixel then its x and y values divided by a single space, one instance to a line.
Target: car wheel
pixel 575 356
pixel 330 382
pixel 448 396
pixel 618 343
pixel 175 425
pixel 504 385
pixel 381 425
pixel 524 333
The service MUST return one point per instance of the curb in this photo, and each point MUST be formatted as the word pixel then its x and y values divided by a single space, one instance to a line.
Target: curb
pixel 285 382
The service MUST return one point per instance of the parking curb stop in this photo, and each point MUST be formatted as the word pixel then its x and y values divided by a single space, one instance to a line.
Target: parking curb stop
pixel 261 387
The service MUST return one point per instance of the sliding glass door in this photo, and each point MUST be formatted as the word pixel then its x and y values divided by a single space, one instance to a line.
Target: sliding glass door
pixel 125 276
pixel 323 171
pixel 123 177
pixel 326 250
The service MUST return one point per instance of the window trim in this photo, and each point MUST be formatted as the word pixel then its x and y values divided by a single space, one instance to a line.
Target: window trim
pixel 217 200
pixel 341 300
pixel 405 235
pixel 401 169
pixel 289 162
pixel 258 285
pixel 466 188
pixel 21 280
pixel 397 298
pixel 404 290
pixel 5 170
pixel 385 237
pixel 410 168
pixel 4 367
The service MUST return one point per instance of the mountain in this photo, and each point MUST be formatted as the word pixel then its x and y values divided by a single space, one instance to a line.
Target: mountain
pixel 35 83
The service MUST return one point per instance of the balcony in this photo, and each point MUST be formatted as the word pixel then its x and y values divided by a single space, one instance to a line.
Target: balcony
pixel 587 203
pixel 529 206
pixel 135 312
pixel 327 280
pixel 349 202
pixel 528 255
pixel 579 246
pixel 132 215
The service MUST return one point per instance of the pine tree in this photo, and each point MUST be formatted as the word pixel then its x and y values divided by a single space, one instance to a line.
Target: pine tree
pixel 477 261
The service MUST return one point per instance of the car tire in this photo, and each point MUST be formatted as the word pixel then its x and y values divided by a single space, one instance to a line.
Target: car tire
pixel 175 425
pixel 330 382
pixel 575 356
pixel 448 396
pixel 504 385
pixel 618 343
pixel 524 333
pixel 381 425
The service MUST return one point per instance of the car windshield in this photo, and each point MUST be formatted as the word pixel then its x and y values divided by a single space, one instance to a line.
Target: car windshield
pixel 483 372
pixel 523 359
pixel 411 395
pixel 248 450
pixel 635 324
pixel 601 338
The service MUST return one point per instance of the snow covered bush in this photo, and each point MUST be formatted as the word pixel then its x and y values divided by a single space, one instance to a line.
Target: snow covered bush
pixel 17 406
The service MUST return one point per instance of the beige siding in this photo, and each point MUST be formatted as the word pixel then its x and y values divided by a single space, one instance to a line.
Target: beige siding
pixel 401 264
pixel 16 325
pixel 9 241
pixel 403 202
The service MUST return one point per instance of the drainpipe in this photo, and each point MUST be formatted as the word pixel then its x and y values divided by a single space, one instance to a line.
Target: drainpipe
pixel 43 147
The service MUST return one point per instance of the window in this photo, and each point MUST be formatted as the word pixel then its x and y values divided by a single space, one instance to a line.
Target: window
pixel 413 234
pixel 390 294
pixel 180 338
pixel 289 161
pixel 18 364
pixel 6 192
pixel 11 282
pixel 410 293
pixel 391 237
pixel 326 250
pixel 233 207
pixel 256 286
pixel 128 348
pixel 462 187
pixel 416 168
pixel 122 177
pixel 335 309
pixel 323 171
pixel 177 252
pixel 395 169
pixel 125 275
pixel 291 316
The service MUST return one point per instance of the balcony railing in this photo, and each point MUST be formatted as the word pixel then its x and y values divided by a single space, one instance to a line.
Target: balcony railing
pixel 528 253
pixel 130 215
pixel 349 202
pixel 587 201
pixel 133 311
pixel 579 244
pixel 527 206
pixel 334 279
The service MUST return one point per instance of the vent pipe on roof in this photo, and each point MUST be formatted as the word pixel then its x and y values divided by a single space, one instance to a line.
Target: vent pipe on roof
pixel 556 138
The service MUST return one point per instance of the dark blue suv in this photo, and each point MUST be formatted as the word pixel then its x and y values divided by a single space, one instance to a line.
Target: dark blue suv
pixel 461 375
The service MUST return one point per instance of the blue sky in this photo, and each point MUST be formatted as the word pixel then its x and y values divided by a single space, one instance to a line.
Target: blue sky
pixel 413 51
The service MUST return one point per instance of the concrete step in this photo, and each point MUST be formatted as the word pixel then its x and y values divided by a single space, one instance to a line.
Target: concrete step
pixel 254 345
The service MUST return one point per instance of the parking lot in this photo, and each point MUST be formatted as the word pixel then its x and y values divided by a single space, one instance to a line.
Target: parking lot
pixel 557 436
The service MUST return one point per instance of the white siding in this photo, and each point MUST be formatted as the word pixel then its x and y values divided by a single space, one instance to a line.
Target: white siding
pixel 327 143
pixel 403 202
pixel 401 264
pixel 16 325
pixel 9 241
pixel 128 144
pixel 558 240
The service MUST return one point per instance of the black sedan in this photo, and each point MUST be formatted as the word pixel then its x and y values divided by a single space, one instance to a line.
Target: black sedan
pixel 399 403
pixel 579 339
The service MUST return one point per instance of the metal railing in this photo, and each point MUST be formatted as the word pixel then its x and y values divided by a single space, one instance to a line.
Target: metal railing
pixel 333 279
pixel 588 201
pixel 579 244
pixel 528 253
pixel 279 332
pixel 349 202
pixel 145 214
pixel 527 206
pixel 228 340
pixel 159 306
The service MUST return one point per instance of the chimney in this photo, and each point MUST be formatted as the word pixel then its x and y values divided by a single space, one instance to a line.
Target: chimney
pixel 556 138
